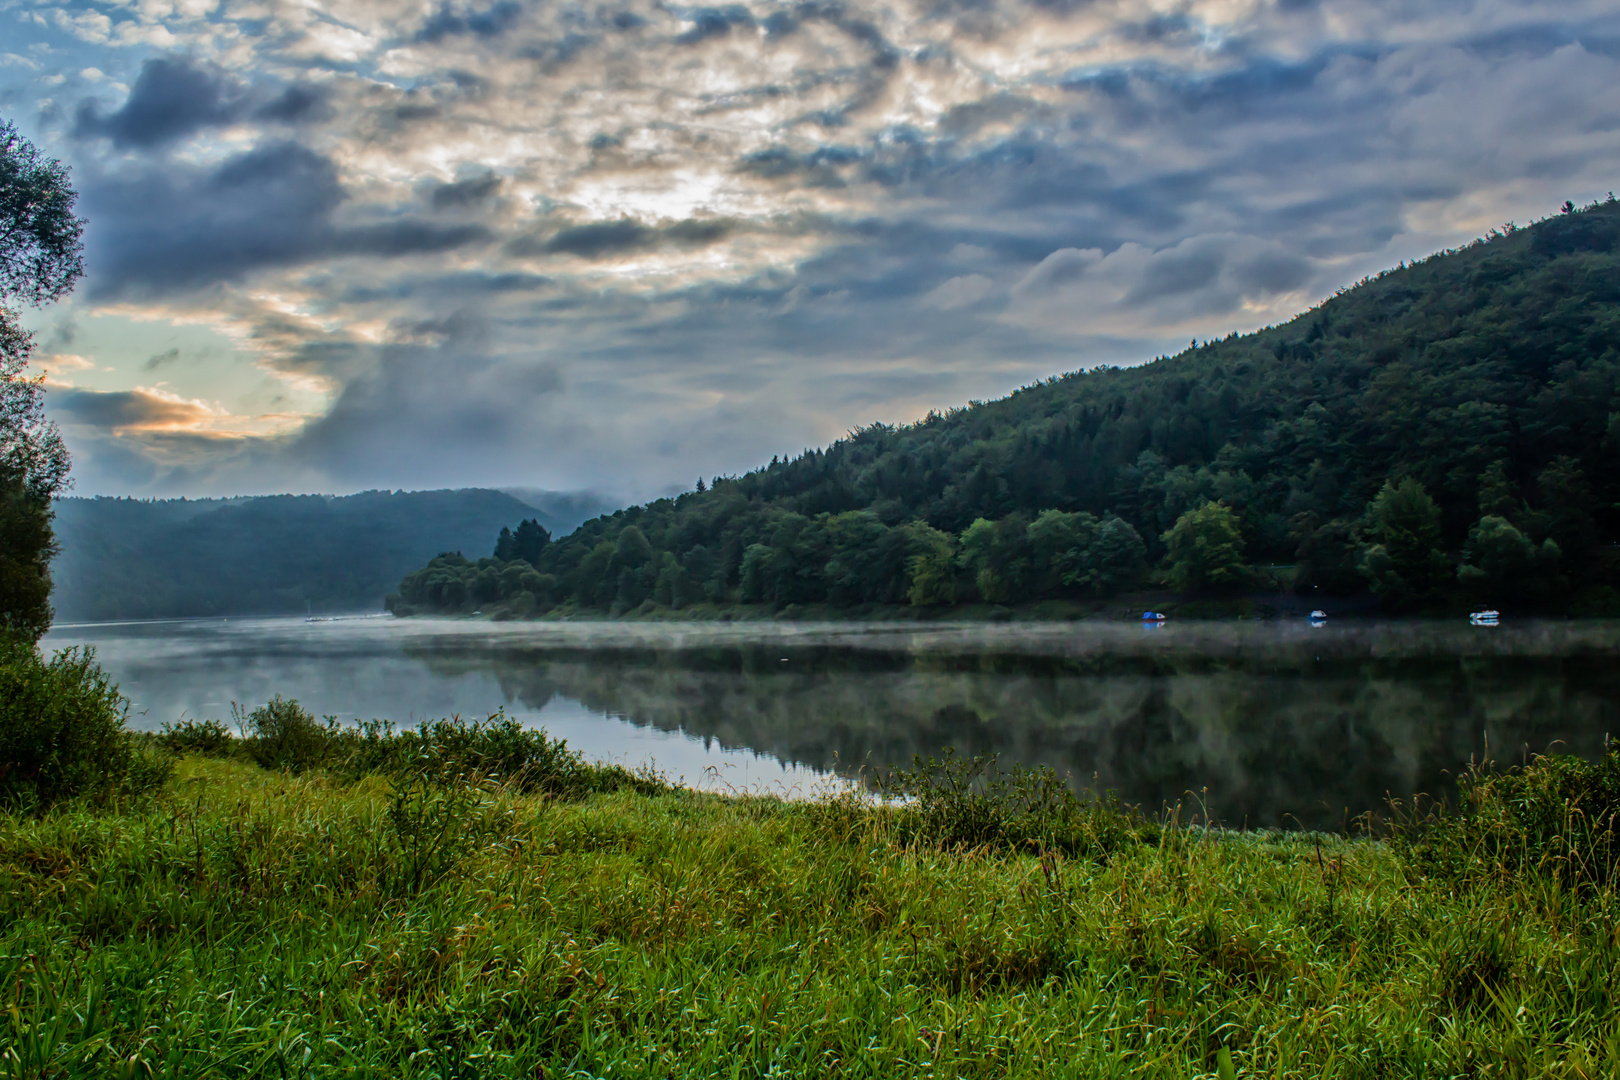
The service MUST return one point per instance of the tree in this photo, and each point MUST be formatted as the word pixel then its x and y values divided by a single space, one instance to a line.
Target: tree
pixel 1206 549
pixel 1501 565
pixel 1118 558
pixel 41 250
pixel 996 552
pixel 1566 500
pixel 530 541
pixel 932 567
pixel 40 259
pixel 1404 563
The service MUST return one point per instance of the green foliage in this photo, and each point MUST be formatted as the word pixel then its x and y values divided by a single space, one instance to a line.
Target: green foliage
pixel 26 547
pixel 957 802
pixel 525 545
pixel 932 569
pixel 209 738
pixel 1556 818
pixel 446 753
pixel 1502 566
pixel 1205 549
pixel 62 732
pixel 280 734
pixel 41 253
pixel 40 260
pixel 996 554
pixel 1404 563
pixel 429 825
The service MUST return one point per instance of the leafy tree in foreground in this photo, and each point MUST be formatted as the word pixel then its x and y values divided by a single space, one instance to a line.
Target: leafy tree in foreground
pixel 40 259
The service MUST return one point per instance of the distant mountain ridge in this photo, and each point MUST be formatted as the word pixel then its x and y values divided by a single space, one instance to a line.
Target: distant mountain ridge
pixel 259 555
pixel 1444 431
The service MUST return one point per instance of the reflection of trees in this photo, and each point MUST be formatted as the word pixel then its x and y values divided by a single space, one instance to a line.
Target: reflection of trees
pixel 1265 739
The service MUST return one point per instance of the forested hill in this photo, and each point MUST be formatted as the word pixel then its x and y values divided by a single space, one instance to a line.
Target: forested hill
pixel 1450 428
pixel 139 559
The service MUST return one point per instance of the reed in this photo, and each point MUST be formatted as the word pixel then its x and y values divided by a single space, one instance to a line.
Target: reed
pixel 460 917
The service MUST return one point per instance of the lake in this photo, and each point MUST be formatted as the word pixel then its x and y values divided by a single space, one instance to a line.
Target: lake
pixel 1251 723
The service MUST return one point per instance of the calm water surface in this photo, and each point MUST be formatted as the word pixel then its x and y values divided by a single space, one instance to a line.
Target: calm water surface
pixel 1271 723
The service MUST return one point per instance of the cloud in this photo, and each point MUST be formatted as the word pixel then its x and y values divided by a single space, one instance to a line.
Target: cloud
pixel 143 409
pixel 171 98
pixel 175 228
pixel 959 292
pixel 454 20
pixel 605 239
pixel 1196 279
pixel 468 192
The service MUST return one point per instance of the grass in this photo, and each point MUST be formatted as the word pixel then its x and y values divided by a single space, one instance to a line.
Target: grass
pixel 334 921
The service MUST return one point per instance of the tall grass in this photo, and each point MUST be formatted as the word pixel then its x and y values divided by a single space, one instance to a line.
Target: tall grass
pixel 452 912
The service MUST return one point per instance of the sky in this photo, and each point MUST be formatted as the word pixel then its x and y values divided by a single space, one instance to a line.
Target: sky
pixel 617 245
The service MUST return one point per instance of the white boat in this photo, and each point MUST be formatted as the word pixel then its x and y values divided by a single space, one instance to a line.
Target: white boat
pixel 1485 617
pixel 1318 615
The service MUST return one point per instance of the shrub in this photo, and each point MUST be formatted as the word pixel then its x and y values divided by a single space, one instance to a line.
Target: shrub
pixel 1554 817
pixel 62 731
pixel 961 802
pixel 448 753
pixel 210 738
pixel 281 735
pixel 501 750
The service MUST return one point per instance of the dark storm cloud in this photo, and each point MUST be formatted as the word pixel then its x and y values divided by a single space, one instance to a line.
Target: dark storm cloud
pixel 171 98
pixel 177 96
pixel 175 228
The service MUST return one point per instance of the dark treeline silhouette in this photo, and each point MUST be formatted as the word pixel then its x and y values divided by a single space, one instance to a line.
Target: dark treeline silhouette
pixel 274 554
pixel 1445 432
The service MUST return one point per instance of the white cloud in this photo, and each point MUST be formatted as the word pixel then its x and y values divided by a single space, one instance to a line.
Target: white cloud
pixel 958 292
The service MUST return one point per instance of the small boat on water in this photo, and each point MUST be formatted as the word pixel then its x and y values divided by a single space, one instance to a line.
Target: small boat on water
pixel 1486 617
pixel 1318 617
pixel 1152 616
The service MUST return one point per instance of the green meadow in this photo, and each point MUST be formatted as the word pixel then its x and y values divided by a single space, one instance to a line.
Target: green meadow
pixel 475 901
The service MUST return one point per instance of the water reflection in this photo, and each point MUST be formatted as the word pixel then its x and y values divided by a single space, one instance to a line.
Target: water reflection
pixel 1268 724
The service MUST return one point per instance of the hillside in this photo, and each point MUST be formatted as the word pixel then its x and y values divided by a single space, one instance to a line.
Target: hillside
pixel 135 559
pixel 1481 384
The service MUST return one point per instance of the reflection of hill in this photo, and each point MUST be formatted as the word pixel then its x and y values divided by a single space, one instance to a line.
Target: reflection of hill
pixel 1272 736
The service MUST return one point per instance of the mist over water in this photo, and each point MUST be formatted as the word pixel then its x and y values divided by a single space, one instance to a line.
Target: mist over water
pixel 1257 723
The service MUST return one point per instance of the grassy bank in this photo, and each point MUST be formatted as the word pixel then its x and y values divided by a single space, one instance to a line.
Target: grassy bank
pixel 406 918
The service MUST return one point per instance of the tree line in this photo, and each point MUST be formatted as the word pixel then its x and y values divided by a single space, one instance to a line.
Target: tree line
pixel 1445 432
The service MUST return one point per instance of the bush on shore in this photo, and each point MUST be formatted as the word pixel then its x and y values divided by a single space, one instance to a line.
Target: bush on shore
pixel 1553 818
pixel 62 733
pixel 283 735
